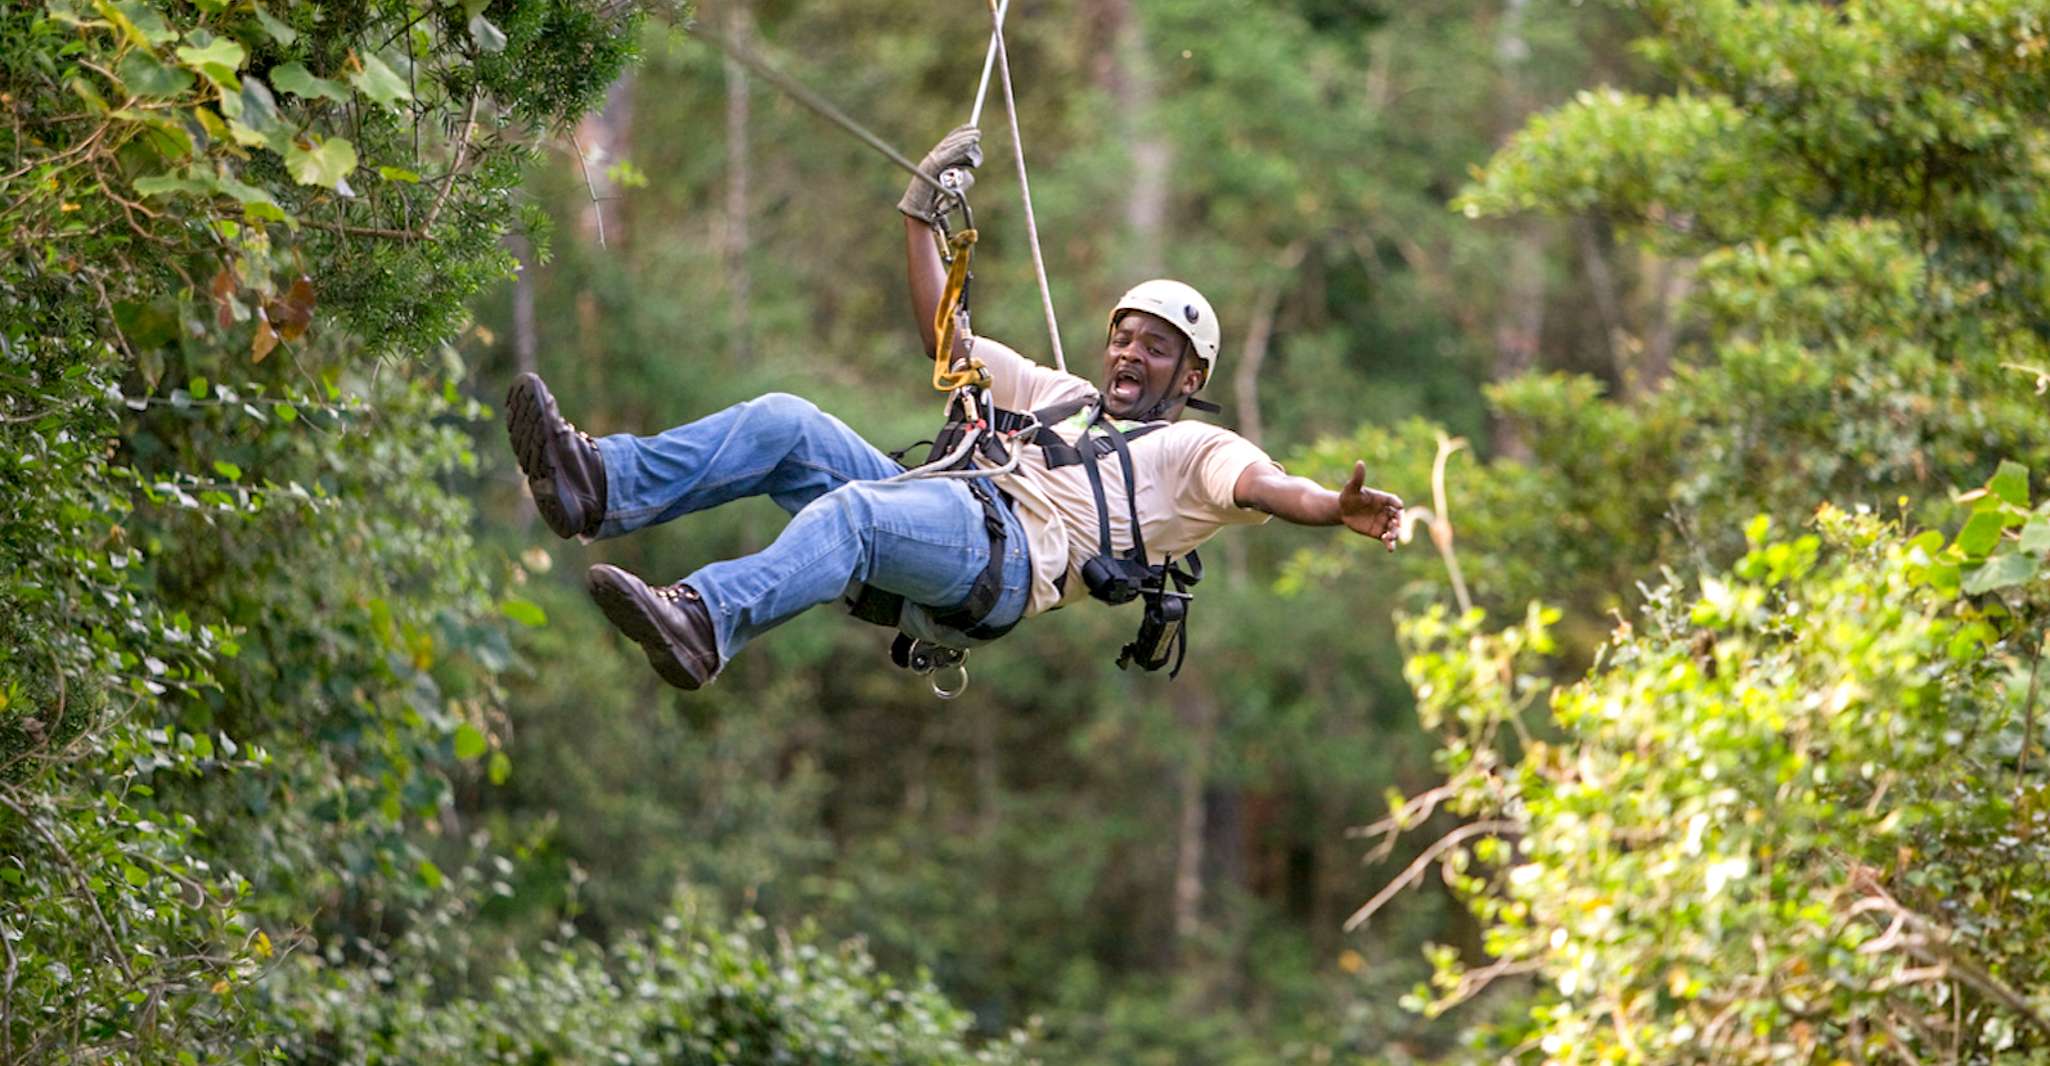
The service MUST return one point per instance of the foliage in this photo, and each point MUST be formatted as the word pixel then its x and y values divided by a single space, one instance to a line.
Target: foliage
pixel 1852 191
pixel 691 991
pixel 1795 815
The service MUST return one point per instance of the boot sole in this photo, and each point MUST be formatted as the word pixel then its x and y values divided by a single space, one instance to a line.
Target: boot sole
pixel 527 407
pixel 615 595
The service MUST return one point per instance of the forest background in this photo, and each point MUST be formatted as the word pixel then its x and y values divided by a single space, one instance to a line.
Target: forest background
pixel 1696 723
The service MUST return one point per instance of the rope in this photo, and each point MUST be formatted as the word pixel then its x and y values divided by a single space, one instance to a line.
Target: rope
pixel 1053 329
pixel 988 60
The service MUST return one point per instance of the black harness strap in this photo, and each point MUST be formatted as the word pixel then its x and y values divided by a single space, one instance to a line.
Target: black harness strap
pixel 967 616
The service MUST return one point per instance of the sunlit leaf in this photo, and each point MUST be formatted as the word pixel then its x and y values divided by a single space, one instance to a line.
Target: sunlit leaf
pixel 470 742
pixel 326 163
pixel 2011 483
pixel 264 340
pixel 1981 533
pixel 525 612
pixel 217 61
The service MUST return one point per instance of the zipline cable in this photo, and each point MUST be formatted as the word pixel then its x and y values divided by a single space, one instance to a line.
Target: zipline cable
pixel 824 108
pixel 1053 329
pixel 819 105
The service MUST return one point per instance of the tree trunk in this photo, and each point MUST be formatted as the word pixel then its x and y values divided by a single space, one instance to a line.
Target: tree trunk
pixel 1125 71
pixel 526 333
pixel 1199 720
pixel 739 26
pixel 1672 282
pixel 1520 322
pixel 1594 258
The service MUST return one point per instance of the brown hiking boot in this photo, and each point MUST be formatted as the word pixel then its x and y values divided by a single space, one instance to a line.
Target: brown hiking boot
pixel 564 470
pixel 669 622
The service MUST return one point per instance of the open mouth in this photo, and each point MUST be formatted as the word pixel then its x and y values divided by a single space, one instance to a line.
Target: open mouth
pixel 1125 386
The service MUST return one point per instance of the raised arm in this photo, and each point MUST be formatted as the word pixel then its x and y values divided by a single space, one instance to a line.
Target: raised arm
pixel 921 205
pixel 928 277
pixel 1368 512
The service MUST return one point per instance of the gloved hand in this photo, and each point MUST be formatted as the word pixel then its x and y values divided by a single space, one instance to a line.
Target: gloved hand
pixel 961 148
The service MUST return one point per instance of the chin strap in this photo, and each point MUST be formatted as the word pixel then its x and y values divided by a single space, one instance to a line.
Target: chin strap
pixel 1157 411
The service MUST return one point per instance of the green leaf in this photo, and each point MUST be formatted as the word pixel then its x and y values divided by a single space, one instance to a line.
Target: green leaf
pixel 1981 533
pixel 470 742
pixel 2036 538
pixel 2011 483
pixel 199 386
pixel 2001 572
pixel 146 75
pixel 327 164
pixel 217 61
pixel 398 174
pixel 227 470
pixel 380 83
pixel 488 37
pixel 525 612
pixel 430 875
pixel 499 768
pixel 278 31
pixel 134 875
pixel 166 184
pixel 259 107
pixel 286 413
pixel 142 22
pixel 295 79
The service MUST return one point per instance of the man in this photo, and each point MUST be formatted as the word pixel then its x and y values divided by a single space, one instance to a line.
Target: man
pixel 929 541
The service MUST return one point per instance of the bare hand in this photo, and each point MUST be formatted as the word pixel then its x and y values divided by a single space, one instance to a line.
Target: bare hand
pixel 1369 512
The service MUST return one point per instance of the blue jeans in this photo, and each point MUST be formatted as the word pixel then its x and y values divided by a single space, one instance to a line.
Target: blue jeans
pixel 923 539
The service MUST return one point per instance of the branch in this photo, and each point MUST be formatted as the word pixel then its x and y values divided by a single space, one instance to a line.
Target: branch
pixel 448 183
pixel 596 211
pixel 1412 812
pixel 367 231
pixel 1422 862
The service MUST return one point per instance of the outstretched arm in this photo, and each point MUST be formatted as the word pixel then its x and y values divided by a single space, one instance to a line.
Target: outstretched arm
pixel 1368 512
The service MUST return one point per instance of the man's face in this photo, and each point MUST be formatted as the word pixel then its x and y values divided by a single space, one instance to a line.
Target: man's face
pixel 1140 362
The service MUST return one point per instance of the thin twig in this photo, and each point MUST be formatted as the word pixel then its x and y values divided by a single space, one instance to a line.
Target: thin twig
pixel 583 165
pixel 7 998
pixel 462 152
pixel 365 231
pixel 1416 869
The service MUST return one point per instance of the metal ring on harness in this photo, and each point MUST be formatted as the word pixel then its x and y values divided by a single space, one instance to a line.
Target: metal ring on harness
pixel 951 681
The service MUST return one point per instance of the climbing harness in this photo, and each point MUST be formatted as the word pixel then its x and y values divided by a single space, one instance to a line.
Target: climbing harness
pixel 975 425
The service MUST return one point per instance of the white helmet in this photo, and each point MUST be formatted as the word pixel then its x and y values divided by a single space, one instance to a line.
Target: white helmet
pixel 1183 308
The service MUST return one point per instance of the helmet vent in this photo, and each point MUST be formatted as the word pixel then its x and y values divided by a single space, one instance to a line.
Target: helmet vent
pixel 1189 312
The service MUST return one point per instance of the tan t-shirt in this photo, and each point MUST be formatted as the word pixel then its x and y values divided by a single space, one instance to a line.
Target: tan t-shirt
pixel 1186 475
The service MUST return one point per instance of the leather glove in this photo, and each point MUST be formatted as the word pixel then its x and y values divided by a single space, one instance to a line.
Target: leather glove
pixel 960 148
